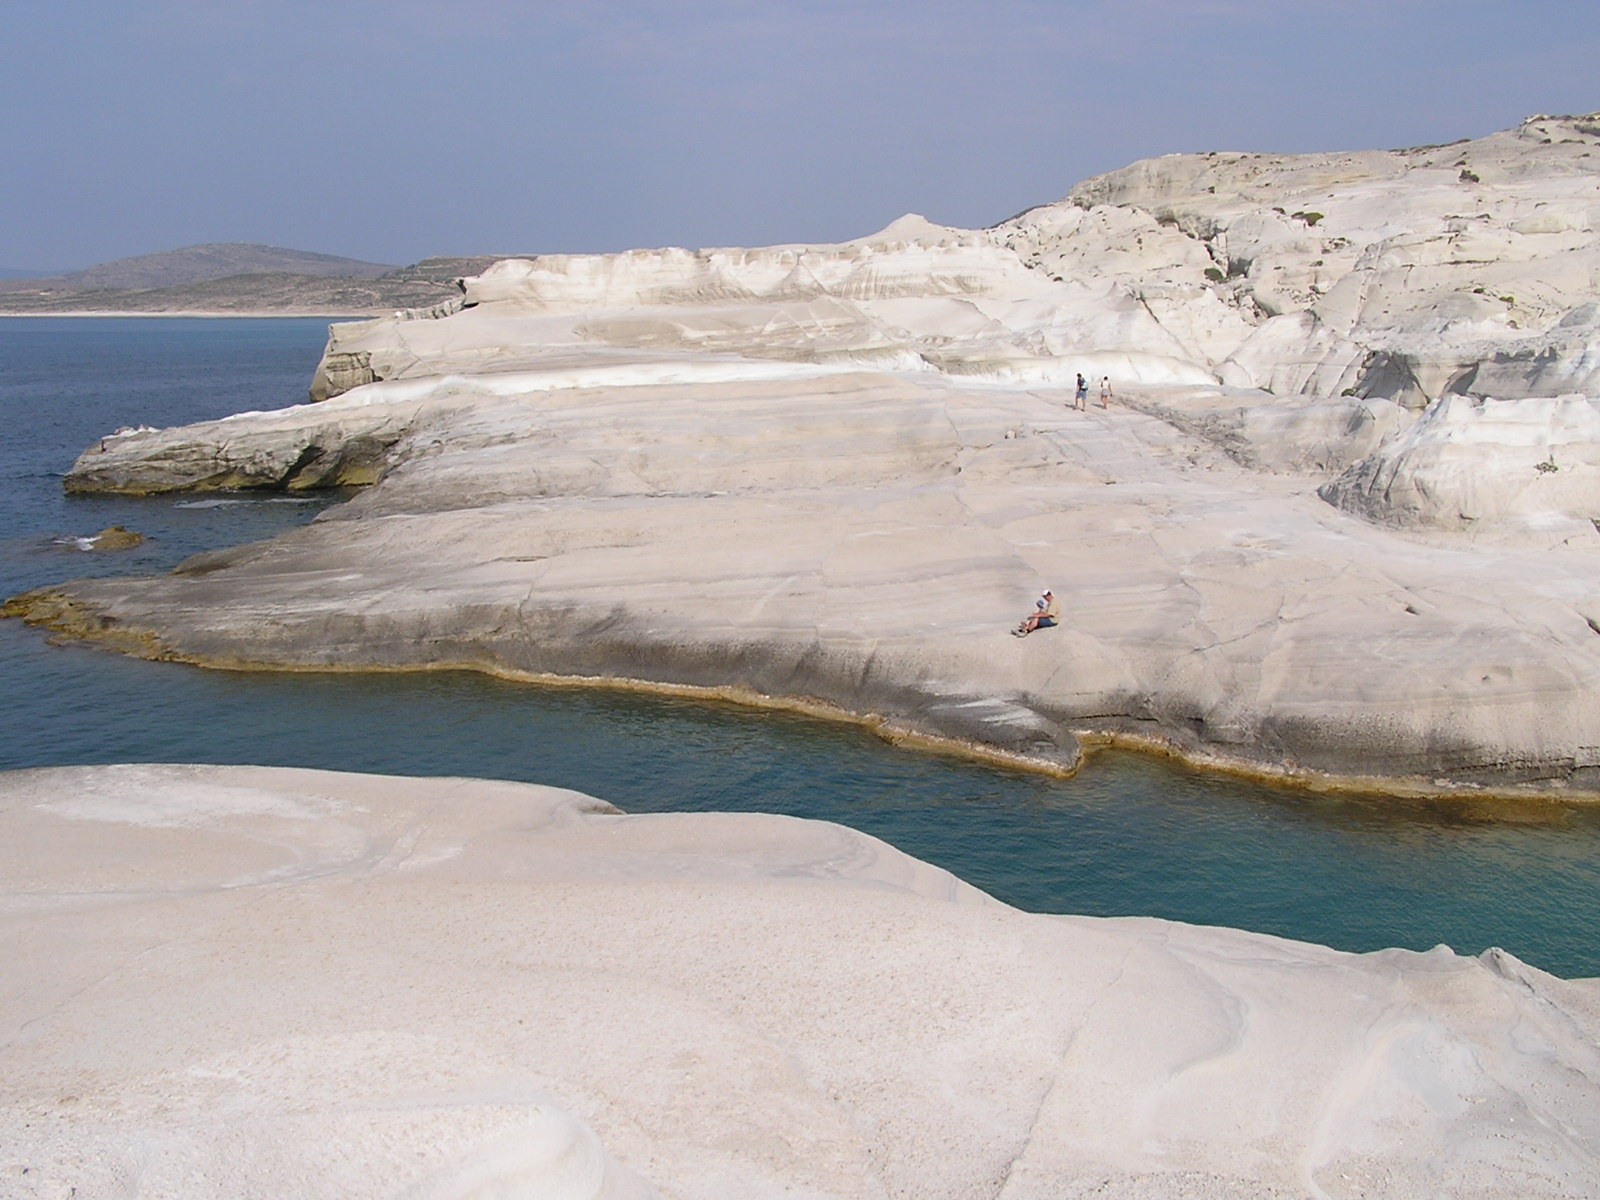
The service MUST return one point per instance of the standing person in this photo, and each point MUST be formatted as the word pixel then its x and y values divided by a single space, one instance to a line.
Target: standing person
pixel 1083 392
pixel 1105 391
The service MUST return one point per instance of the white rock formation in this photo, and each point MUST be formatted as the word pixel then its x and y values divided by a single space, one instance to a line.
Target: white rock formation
pixel 867 539
pixel 1528 463
pixel 916 297
pixel 1393 277
pixel 838 472
pixel 1406 275
pixel 263 983
pixel 1400 277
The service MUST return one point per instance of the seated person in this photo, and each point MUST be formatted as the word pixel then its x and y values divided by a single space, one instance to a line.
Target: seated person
pixel 1047 611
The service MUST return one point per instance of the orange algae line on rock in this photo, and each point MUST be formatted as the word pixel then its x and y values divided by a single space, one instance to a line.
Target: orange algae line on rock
pixel 1302 779
pixel 69 618
pixel 886 728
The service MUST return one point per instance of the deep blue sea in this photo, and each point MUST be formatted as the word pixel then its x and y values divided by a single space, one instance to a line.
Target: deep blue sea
pixel 1128 836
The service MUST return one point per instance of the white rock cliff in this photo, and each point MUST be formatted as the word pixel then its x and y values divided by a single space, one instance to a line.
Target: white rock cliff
pixel 1303 538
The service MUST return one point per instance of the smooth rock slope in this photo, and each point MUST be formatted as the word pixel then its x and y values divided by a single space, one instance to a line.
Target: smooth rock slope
pixel 840 473
pixel 264 982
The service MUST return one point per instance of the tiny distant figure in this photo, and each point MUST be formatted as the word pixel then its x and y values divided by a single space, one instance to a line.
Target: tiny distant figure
pixel 1046 612
pixel 1105 391
pixel 1083 392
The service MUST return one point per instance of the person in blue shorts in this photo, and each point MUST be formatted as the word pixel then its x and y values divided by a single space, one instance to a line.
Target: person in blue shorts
pixel 1046 612
pixel 1083 392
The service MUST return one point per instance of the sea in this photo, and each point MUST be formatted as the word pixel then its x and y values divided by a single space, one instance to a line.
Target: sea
pixel 1128 836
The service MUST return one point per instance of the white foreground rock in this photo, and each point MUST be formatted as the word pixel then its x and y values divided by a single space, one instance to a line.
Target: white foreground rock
pixel 261 983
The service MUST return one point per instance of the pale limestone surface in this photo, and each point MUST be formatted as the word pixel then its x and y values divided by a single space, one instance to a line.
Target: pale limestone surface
pixel 1530 464
pixel 868 539
pixel 841 473
pixel 1405 274
pixel 263 982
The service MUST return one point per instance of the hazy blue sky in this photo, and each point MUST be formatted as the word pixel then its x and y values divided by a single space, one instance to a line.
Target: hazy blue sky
pixel 391 131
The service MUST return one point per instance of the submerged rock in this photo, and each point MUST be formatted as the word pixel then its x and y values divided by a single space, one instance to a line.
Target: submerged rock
pixel 113 537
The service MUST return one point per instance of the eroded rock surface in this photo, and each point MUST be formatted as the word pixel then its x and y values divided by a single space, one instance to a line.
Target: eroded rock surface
pixel 1411 274
pixel 1402 275
pixel 1525 463
pixel 867 539
pixel 265 982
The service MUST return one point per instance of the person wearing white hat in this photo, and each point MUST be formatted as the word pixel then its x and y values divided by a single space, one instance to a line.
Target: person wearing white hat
pixel 1046 612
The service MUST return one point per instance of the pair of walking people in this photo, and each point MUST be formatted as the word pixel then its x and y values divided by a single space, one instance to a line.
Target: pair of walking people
pixel 1081 397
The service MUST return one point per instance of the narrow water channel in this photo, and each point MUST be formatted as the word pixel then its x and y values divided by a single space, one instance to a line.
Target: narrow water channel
pixel 1128 836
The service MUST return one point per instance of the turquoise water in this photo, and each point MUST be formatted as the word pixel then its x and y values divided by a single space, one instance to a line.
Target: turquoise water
pixel 1128 836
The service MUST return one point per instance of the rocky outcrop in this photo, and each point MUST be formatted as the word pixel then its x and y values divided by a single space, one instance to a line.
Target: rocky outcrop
pixel 114 537
pixel 1470 462
pixel 1403 275
pixel 339 371
pixel 864 540
pixel 914 297
pixel 254 982
pixel 281 450
pixel 1358 288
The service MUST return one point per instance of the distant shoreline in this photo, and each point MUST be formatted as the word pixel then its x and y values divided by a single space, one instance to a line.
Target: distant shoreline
pixel 205 315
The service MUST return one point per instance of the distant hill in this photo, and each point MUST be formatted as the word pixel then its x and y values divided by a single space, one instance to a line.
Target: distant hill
pixel 196 264
pixel 235 277
pixel 449 268
pixel 23 273
pixel 261 292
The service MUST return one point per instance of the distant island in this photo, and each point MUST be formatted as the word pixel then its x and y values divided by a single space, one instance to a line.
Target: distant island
pixel 238 279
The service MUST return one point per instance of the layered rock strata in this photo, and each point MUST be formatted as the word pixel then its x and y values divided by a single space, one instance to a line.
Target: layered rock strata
pixel 265 982
pixel 1405 275
pixel 1471 268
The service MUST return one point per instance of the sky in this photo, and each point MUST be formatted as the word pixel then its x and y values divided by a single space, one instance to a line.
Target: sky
pixel 391 131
